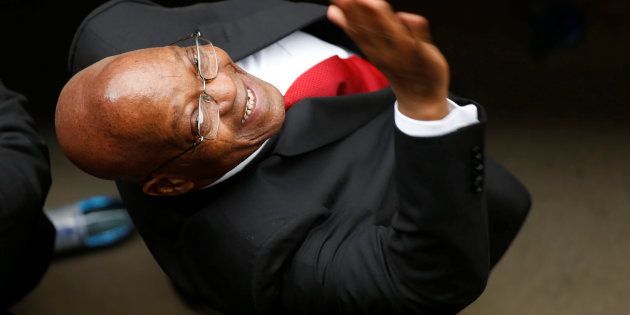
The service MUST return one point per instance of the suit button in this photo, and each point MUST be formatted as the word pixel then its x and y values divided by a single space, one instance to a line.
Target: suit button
pixel 478 189
pixel 478 179
pixel 478 156
pixel 476 149
pixel 478 167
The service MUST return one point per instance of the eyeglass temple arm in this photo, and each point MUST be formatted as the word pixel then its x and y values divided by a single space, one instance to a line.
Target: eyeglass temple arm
pixel 194 145
pixel 192 35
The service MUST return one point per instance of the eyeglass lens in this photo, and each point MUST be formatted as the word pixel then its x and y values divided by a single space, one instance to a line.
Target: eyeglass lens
pixel 208 110
pixel 207 61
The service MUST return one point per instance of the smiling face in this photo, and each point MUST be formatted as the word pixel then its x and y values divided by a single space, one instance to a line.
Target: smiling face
pixel 126 115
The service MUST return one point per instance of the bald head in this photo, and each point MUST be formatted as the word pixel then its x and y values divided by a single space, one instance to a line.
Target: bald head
pixel 125 115
pixel 101 119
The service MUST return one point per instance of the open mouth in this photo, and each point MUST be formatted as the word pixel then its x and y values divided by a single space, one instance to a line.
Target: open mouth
pixel 250 104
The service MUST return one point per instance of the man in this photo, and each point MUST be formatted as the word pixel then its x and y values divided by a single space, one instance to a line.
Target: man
pixel 26 235
pixel 336 208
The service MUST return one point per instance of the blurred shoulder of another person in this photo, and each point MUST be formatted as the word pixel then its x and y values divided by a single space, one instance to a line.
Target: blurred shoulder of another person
pixel 26 234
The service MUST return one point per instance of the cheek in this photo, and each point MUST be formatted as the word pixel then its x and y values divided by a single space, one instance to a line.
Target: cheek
pixel 225 145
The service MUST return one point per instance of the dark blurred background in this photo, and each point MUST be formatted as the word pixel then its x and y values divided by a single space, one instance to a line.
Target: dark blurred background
pixel 553 76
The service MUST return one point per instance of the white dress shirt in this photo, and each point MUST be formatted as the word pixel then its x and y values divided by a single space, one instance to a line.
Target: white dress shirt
pixel 284 61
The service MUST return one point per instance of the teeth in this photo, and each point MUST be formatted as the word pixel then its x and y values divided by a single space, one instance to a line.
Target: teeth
pixel 249 106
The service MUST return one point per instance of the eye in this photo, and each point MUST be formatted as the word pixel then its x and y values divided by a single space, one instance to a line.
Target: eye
pixel 192 57
pixel 206 98
pixel 197 122
pixel 204 117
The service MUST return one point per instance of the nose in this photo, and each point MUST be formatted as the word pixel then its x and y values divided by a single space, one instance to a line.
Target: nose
pixel 223 88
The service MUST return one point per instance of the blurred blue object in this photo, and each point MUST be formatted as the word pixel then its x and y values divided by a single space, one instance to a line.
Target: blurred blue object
pixel 90 223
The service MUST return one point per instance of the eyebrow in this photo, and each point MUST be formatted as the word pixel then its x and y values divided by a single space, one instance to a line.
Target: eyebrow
pixel 178 111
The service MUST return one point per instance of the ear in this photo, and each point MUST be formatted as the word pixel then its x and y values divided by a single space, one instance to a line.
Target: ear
pixel 166 185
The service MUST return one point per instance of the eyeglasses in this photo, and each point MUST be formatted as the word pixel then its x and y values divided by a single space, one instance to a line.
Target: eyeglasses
pixel 207 66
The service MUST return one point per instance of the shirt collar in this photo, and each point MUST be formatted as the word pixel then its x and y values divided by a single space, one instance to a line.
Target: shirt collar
pixel 238 167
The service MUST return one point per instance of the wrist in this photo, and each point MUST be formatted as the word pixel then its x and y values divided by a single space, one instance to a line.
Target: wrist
pixel 424 109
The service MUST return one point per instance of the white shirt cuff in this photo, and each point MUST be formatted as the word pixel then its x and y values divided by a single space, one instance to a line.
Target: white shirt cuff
pixel 458 117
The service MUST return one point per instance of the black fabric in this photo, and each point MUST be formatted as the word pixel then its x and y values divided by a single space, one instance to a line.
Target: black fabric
pixel 26 235
pixel 124 25
pixel 342 214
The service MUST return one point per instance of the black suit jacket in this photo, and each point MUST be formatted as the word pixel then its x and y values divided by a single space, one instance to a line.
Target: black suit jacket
pixel 341 213
pixel 26 235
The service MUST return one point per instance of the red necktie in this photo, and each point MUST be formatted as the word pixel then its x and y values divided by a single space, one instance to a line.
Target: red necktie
pixel 335 76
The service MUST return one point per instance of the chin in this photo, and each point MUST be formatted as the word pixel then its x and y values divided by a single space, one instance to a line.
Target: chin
pixel 276 110
pixel 271 121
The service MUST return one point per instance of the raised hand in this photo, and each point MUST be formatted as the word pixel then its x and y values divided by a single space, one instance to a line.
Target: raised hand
pixel 399 44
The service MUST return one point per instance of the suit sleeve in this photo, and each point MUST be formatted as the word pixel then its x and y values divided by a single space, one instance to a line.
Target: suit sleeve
pixel 437 245
pixel 433 258
pixel 26 235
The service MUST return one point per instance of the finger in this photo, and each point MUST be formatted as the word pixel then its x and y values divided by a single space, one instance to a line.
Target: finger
pixel 337 17
pixel 370 20
pixel 417 25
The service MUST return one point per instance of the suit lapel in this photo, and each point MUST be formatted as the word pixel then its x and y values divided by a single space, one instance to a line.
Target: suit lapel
pixel 247 34
pixel 315 122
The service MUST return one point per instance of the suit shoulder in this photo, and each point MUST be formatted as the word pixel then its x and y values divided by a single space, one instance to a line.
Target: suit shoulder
pixel 91 41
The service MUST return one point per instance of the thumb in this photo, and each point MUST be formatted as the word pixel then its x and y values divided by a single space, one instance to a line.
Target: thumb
pixel 336 16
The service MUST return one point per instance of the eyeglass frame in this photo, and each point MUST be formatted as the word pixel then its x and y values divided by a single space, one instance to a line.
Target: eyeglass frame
pixel 202 96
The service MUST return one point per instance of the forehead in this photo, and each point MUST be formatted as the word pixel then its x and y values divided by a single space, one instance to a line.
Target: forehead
pixel 153 72
pixel 148 88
